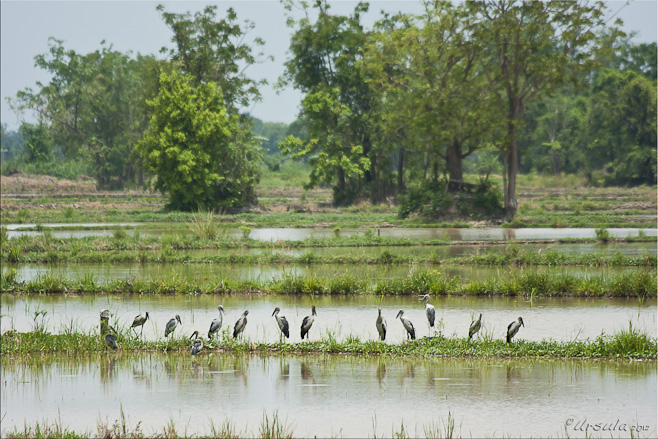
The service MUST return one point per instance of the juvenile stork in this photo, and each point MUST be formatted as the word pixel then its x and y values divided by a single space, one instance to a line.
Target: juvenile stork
pixel 282 322
pixel 475 327
pixel 430 312
pixel 240 325
pixel 198 343
pixel 171 325
pixel 139 321
pixel 110 338
pixel 381 326
pixel 216 324
pixel 513 328
pixel 307 323
pixel 411 332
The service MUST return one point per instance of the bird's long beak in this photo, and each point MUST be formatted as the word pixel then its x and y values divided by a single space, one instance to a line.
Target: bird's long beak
pixel 273 312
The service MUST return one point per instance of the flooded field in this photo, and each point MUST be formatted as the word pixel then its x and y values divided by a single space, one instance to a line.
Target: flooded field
pixel 334 396
pixel 562 319
pixel 299 234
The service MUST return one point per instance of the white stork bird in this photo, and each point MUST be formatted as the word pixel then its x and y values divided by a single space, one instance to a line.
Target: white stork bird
pixel 411 332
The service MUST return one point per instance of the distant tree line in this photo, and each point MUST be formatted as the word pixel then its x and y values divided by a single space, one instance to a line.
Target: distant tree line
pixel 406 109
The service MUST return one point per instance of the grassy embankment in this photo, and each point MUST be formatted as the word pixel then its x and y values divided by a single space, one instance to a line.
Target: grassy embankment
pixel 124 247
pixel 627 344
pixel 640 284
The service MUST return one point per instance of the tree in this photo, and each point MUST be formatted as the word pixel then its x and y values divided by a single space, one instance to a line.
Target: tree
pixel 621 127
pixel 534 48
pixel 191 146
pixel 215 50
pixel 90 107
pixel 339 108
pixel 426 68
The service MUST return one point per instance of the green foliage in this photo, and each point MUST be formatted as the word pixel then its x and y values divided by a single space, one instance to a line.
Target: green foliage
pixel 195 149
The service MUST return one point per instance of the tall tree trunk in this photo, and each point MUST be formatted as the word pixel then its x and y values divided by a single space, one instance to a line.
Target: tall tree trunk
pixel 510 204
pixel 454 161
pixel 401 171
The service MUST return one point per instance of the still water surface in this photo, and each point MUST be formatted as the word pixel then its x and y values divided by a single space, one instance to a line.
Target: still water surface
pixel 340 316
pixel 299 234
pixel 332 395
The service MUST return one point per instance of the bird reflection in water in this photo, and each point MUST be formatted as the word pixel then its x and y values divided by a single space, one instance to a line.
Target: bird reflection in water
pixel 108 367
pixel 307 374
pixel 381 372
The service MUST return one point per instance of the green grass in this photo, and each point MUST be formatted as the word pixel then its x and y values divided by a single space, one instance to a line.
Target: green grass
pixel 631 344
pixel 640 284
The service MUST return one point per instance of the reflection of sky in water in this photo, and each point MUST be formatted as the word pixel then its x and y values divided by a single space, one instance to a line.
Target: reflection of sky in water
pixel 545 318
pixel 328 395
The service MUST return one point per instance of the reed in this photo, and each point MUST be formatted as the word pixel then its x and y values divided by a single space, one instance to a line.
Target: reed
pixel 640 284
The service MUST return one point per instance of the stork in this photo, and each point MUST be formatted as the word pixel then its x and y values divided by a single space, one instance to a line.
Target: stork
pixel 198 343
pixel 430 312
pixel 513 328
pixel 216 324
pixel 171 325
pixel 411 332
pixel 282 322
pixel 139 321
pixel 307 323
pixel 381 325
pixel 475 327
pixel 240 325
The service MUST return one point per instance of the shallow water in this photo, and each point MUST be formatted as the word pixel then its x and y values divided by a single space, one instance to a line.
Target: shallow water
pixel 299 234
pixel 333 395
pixel 340 316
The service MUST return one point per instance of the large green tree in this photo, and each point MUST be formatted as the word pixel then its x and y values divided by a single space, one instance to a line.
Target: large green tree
pixel 534 48
pixel 190 145
pixel 426 68
pixel 339 108
pixel 91 106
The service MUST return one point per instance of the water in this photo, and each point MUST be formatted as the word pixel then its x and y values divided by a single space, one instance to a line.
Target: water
pixel 299 234
pixel 346 396
pixel 341 316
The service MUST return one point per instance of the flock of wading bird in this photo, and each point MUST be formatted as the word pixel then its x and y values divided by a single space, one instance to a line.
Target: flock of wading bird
pixel 282 322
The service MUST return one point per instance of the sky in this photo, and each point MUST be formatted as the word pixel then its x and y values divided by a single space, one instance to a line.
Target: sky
pixel 136 26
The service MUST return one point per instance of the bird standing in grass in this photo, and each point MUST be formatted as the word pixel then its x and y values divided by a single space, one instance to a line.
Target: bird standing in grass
pixel 411 332
pixel 216 324
pixel 110 339
pixel 198 343
pixel 475 327
pixel 307 323
pixel 430 312
pixel 381 326
pixel 282 322
pixel 139 321
pixel 513 328
pixel 171 325
pixel 240 324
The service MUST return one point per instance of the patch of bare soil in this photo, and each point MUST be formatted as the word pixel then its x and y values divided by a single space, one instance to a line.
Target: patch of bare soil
pixel 21 183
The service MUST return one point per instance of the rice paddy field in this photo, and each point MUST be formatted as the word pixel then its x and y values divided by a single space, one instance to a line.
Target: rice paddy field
pixel 577 265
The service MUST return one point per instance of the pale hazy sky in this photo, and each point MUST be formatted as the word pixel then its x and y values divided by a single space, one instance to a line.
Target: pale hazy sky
pixel 136 26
